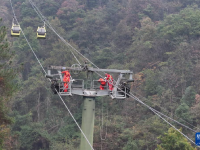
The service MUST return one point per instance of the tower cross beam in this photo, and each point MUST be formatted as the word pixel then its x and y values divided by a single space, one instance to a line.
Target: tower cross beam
pixel 91 69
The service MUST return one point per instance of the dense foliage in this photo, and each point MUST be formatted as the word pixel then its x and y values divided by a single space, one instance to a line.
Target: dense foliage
pixel 173 140
pixel 7 85
pixel 158 40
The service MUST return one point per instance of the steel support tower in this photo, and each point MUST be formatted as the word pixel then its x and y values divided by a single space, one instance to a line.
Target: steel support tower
pixel 89 89
pixel 88 115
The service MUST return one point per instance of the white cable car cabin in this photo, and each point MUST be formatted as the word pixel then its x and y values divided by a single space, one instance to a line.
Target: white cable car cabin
pixel 41 32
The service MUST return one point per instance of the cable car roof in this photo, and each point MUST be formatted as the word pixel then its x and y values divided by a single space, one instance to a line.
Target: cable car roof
pixel 41 29
pixel 16 27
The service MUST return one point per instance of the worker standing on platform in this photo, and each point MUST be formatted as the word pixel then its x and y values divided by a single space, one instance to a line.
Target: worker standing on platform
pixel 102 83
pixel 66 79
pixel 109 79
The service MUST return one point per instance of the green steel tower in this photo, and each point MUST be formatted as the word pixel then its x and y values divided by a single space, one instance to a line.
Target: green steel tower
pixel 89 89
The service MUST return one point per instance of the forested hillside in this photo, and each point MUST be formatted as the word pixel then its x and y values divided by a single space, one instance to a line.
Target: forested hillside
pixel 157 39
pixel 8 75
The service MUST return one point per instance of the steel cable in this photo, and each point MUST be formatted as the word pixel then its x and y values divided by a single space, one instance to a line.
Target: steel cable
pixel 131 95
pixel 50 80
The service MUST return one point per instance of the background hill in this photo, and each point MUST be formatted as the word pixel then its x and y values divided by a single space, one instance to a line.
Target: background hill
pixel 158 40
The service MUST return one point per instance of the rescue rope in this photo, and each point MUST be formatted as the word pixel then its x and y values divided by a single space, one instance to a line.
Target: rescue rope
pixel 155 111
pixel 152 108
pixel 158 114
pixel 102 122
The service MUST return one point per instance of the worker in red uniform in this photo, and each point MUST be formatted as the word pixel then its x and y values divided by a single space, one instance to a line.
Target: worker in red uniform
pixel 109 79
pixel 102 83
pixel 66 79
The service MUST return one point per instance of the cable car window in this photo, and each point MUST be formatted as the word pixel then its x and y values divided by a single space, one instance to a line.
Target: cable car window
pixel 16 29
pixel 41 31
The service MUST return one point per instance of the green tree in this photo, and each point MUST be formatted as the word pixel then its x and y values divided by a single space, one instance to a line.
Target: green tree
pixel 151 82
pixel 7 84
pixel 182 26
pixel 183 112
pixel 70 13
pixel 173 140
pixel 189 96
pixel 144 43
pixel 131 144
pixel 23 50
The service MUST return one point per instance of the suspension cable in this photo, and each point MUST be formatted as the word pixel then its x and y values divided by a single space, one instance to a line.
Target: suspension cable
pixel 43 18
pixel 131 95
pixel 50 80
pixel 74 119
pixel 175 121
pixel 158 114
pixel 26 38
pixel 167 111
pixel 149 106
pixel 153 110
pixel 102 122
pixel 49 25
pixel 172 119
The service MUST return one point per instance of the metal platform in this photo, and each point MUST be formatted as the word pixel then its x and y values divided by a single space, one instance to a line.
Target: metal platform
pixel 91 88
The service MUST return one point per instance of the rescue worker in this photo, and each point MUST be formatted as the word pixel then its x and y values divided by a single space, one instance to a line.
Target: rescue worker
pixel 125 87
pixel 102 83
pixel 109 79
pixel 66 79
pixel 55 87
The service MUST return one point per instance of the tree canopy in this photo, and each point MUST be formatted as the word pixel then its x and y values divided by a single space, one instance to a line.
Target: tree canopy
pixel 157 40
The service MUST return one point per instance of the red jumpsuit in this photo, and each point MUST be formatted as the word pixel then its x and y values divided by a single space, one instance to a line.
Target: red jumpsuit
pixel 66 79
pixel 103 83
pixel 109 79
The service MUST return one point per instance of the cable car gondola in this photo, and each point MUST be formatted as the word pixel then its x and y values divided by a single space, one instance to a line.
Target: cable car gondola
pixel 41 32
pixel 15 30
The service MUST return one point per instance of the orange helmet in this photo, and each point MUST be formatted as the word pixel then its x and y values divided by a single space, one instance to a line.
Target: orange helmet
pixel 66 73
pixel 101 79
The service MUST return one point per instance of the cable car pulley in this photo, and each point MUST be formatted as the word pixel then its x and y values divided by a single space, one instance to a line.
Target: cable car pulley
pixel 75 69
